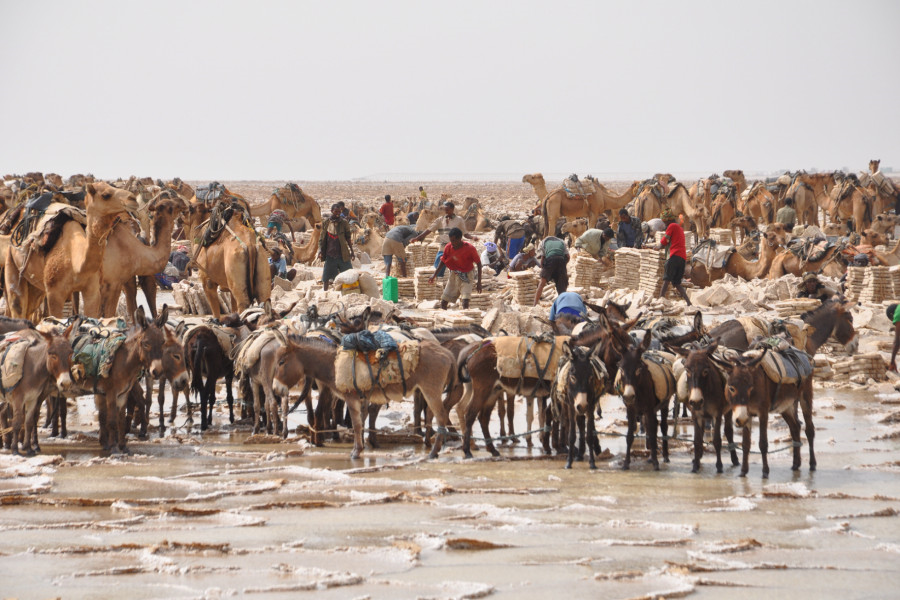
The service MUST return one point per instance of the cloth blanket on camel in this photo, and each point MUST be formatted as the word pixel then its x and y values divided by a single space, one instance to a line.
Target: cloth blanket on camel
pixel 368 359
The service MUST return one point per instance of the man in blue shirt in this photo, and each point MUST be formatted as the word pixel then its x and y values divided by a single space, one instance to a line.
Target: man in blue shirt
pixel 570 304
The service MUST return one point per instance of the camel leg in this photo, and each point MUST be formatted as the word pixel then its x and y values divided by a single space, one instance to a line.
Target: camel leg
pixel 211 290
pixel 149 287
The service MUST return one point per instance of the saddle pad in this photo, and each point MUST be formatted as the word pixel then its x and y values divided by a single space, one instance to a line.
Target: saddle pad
pixel 713 256
pixel 12 355
pixel 512 351
pixel 225 337
pixel 384 367
pixel 785 366
pixel 660 366
pixel 96 353
pixel 246 354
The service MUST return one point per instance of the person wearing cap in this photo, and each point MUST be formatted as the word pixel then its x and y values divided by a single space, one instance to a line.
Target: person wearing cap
pixel 443 225
pixel 811 287
pixel 335 246
pixel 276 221
pixel 786 215
pixel 523 260
pixel 493 257
pixel 465 265
pixel 554 257
pixel 395 242
pixel 387 210
pixel 674 241
pixel 893 315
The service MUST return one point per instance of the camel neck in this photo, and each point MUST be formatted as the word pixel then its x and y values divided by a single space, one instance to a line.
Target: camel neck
pixel 98 231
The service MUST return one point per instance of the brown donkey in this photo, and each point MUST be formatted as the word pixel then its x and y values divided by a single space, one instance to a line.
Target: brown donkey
pixel 751 393
pixel 46 369
pixel 706 385
pixel 315 359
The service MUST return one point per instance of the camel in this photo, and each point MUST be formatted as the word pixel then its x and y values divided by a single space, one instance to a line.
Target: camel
pixel 127 256
pixel 184 191
pixel 537 183
pixel 559 203
pixel 759 203
pixel 649 201
pixel 235 261
pixel 739 266
pixel 810 192
pixel 307 253
pixel 679 200
pixel 789 263
pixel 71 260
pixel 574 229
pixel 293 201
pixel 885 192
pixel 426 217
pixel 54 179
pixel 369 241
pixel 885 224
pixel 848 200
pixel 740 182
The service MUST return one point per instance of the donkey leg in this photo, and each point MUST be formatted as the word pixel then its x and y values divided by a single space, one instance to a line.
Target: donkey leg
pixel 791 419
pixel 229 396
pixel 570 432
pixel 592 433
pixel 806 406
pixel 354 406
pixel 582 441
pixel 664 431
pixel 717 442
pixel 529 419
pixel 161 401
pixel 501 413
pixel 31 417
pixel 418 409
pixel 372 437
pixel 544 419
pixel 745 448
pixel 629 437
pixel 729 437
pixel 764 443
pixel 471 414
pixel 484 417
pixel 652 439
pixel 510 402
pixel 62 414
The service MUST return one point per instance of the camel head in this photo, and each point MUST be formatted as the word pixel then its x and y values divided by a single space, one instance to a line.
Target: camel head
pixel 103 199
pixel 734 174
pixel 779 229
pixel 873 238
pixel 167 202
pixel 532 178
pixel 873 165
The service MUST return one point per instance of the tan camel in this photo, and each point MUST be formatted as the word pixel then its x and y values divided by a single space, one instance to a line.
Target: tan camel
pixel 810 192
pixel 649 201
pixel 235 261
pixel 574 229
pixel 885 224
pixel 789 263
pixel 559 203
pixel 740 182
pixel 679 200
pixel 128 257
pixel 873 238
pixel 537 183
pixel 848 200
pixel 54 179
pixel 739 266
pixel 368 241
pixel 69 264
pixel 293 201
pixel 307 253
pixel 426 217
pixel 184 191
pixel 886 193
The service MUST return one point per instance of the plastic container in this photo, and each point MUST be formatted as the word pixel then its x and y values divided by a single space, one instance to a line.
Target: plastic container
pixel 389 290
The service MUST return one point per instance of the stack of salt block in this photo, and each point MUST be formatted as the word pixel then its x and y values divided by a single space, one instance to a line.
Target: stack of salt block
pixel 721 236
pixel 406 287
pixel 862 367
pixel 481 301
pixel 690 238
pixel 425 290
pixel 431 251
pixel 855 279
pixel 524 286
pixel 796 306
pixel 877 285
pixel 415 256
pixel 586 271
pixel 895 279
pixel 628 269
pixel 653 264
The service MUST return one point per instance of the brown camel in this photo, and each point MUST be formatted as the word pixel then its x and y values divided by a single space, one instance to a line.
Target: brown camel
pixel 574 229
pixel 235 261
pixel 71 260
pixel 739 266
pixel 740 182
pixel 649 201
pixel 184 191
pixel 127 256
pixel 293 201
pixel 759 203
pixel 368 241
pixel 882 188
pixel 559 203
pixel 306 253
pixel 789 263
pixel 848 200
pixel 810 192
pixel 679 200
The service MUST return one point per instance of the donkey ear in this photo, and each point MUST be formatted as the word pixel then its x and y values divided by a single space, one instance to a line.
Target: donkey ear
pixel 567 351
pixel 698 321
pixel 645 343
pixel 678 350
pixel 140 318
pixel 163 317
pixel 757 359
pixel 713 346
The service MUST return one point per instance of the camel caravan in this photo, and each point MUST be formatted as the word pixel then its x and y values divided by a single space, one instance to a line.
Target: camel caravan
pixel 238 291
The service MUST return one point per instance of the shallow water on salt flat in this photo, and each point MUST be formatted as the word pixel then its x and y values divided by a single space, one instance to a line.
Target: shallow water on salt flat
pixel 204 515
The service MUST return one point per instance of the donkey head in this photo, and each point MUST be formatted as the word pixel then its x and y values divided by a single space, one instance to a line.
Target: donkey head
pixel 587 376
pixel 59 360
pixel 150 340
pixel 699 368
pixel 289 369
pixel 632 369
pixel 740 384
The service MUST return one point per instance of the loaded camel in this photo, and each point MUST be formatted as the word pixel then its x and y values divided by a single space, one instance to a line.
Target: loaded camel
pixel 739 266
pixel 850 201
pixel 293 201
pixel 560 204
pixel 67 259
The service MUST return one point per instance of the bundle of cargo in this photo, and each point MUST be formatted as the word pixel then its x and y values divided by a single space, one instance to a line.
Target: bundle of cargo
pixel 431 251
pixel 721 236
pixel 628 269
pixel 861 368
pixel 653 264
pixel 480 301
pixel 796 306
pixel 425 290
pixel 415 256
pixel 877 285
pixel 587 271
pixel 524 285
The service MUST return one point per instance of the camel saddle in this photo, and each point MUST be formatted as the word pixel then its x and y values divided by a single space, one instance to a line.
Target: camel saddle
pixel 654 186
pixel 39 219
pixel 294 198
pixel 711 254
pixel 809 249
pixel 575 188
pixel 218 220
pixel 211 193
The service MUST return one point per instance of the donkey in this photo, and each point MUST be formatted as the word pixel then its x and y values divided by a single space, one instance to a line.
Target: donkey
pixel 640 401
pixel 175 372
pixel 751 393
pixel 315 359
pixel 46 370
pixel 579 385
pixel 707 401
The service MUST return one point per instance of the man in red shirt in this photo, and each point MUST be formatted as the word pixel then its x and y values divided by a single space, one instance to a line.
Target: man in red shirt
pixel 387 210
pixel 464 263
pixel 674 239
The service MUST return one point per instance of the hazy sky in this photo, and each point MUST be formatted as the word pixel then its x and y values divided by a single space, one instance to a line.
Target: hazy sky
pixel 339 90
